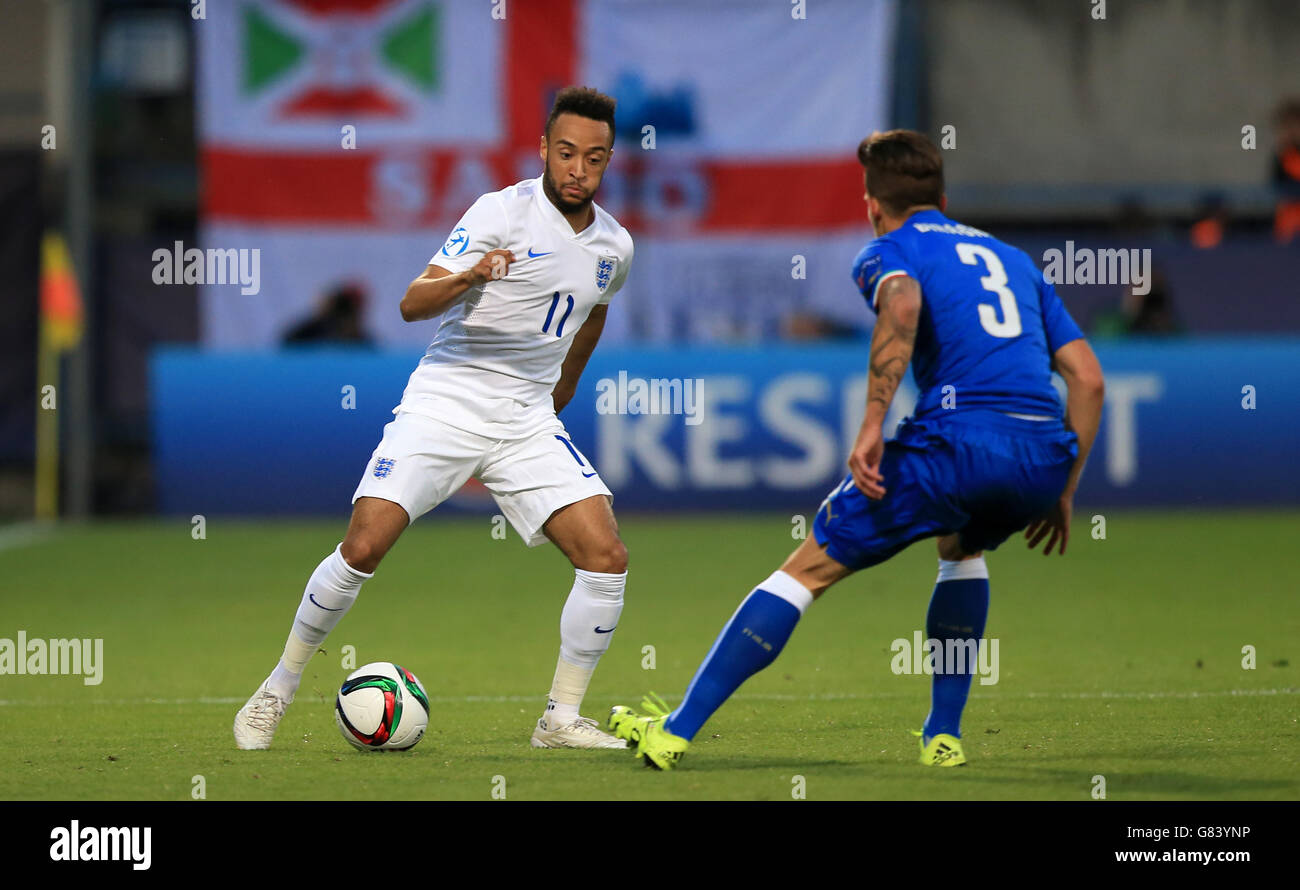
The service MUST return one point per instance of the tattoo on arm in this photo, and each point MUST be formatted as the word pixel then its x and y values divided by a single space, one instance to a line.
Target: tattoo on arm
pixel 899 304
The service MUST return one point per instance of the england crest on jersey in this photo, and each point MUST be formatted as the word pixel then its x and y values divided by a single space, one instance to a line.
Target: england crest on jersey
pixel 605 272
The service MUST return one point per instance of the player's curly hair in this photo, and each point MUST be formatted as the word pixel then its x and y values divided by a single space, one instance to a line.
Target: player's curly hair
pixel 585 102
pixel 904 169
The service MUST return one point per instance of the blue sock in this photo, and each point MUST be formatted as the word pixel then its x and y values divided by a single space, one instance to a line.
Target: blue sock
pixel 750 642
pixel 958 610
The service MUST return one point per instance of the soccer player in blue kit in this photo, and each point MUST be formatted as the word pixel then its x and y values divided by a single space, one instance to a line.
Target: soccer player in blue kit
pixel 986 453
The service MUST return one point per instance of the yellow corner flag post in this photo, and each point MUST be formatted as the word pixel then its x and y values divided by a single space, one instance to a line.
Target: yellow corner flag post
pixel 60 331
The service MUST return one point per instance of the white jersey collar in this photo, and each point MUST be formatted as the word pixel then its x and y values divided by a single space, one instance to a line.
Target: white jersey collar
pixel 556 218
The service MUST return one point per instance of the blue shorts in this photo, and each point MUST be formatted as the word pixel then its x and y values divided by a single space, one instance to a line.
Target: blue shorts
pixel 983 474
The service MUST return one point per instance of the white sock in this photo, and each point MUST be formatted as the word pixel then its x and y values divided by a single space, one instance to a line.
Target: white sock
pixel 586 628
pixel 962 569
pixel 331 591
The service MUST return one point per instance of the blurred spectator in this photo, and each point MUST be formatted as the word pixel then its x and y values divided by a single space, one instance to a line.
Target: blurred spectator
pixel 1211 222
pixel 1149 314
pixel 1286 171
pixel 337 320
pixel 810 326
pixel 1131 217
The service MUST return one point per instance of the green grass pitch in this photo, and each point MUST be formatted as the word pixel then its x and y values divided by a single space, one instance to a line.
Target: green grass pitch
pixel 1122 660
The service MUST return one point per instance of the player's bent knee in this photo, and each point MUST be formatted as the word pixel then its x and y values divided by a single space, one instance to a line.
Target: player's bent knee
pixel 615 556
pixel 610 558
pixel 950 549
pixel 362 552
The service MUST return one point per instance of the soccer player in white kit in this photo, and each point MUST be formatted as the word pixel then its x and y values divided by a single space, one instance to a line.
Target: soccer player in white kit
pixel 522 285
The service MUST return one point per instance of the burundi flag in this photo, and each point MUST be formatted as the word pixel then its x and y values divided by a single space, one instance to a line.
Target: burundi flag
pixel 292 73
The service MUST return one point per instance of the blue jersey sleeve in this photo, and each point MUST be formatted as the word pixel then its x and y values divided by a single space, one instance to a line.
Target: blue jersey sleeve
pixel 1057 323
pixel 879 261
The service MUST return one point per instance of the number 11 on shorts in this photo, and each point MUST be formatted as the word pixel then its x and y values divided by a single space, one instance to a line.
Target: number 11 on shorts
pixel 574 452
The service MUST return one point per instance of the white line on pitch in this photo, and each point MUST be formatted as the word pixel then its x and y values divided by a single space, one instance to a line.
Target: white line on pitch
pixel 828 696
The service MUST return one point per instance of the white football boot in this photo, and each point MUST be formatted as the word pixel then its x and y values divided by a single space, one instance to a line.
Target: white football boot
pixel 581 733
pixel 256 721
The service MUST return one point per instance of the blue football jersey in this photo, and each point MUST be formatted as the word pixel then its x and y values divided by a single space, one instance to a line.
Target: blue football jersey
pixel 989 321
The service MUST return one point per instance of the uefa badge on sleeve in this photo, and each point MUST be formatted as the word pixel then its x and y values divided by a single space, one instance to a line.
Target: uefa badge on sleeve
pixel 605 272
pixel 456 242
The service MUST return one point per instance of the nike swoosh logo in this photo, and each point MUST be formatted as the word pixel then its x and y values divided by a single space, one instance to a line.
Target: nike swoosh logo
pixel 587 475
pixel 312 597
pixel 601 630
pixel 536 255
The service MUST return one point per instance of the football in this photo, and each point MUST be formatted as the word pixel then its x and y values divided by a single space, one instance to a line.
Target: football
pixel 382 707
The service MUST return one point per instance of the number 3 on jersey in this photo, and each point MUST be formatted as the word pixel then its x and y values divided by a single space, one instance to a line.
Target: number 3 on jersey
pixel 995 281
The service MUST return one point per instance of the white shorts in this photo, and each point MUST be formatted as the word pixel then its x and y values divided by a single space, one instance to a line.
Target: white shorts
pixel 420 462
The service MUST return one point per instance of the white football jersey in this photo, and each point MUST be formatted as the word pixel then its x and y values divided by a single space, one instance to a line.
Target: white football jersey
pixel 498 350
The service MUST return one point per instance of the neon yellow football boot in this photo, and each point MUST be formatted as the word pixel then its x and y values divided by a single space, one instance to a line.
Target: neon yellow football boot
pixel 942 750
pixel 646 734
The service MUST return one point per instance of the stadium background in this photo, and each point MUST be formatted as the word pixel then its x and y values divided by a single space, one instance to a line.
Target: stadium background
pixel 229 132
pixel 170 427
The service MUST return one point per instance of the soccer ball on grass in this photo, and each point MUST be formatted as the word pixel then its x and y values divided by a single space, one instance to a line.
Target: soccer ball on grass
pixel 382 707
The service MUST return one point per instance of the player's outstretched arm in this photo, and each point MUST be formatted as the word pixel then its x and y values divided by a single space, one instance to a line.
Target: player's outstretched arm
pixel 438 288
pixel 580 350
pixel 898 311
pixel 1085 393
